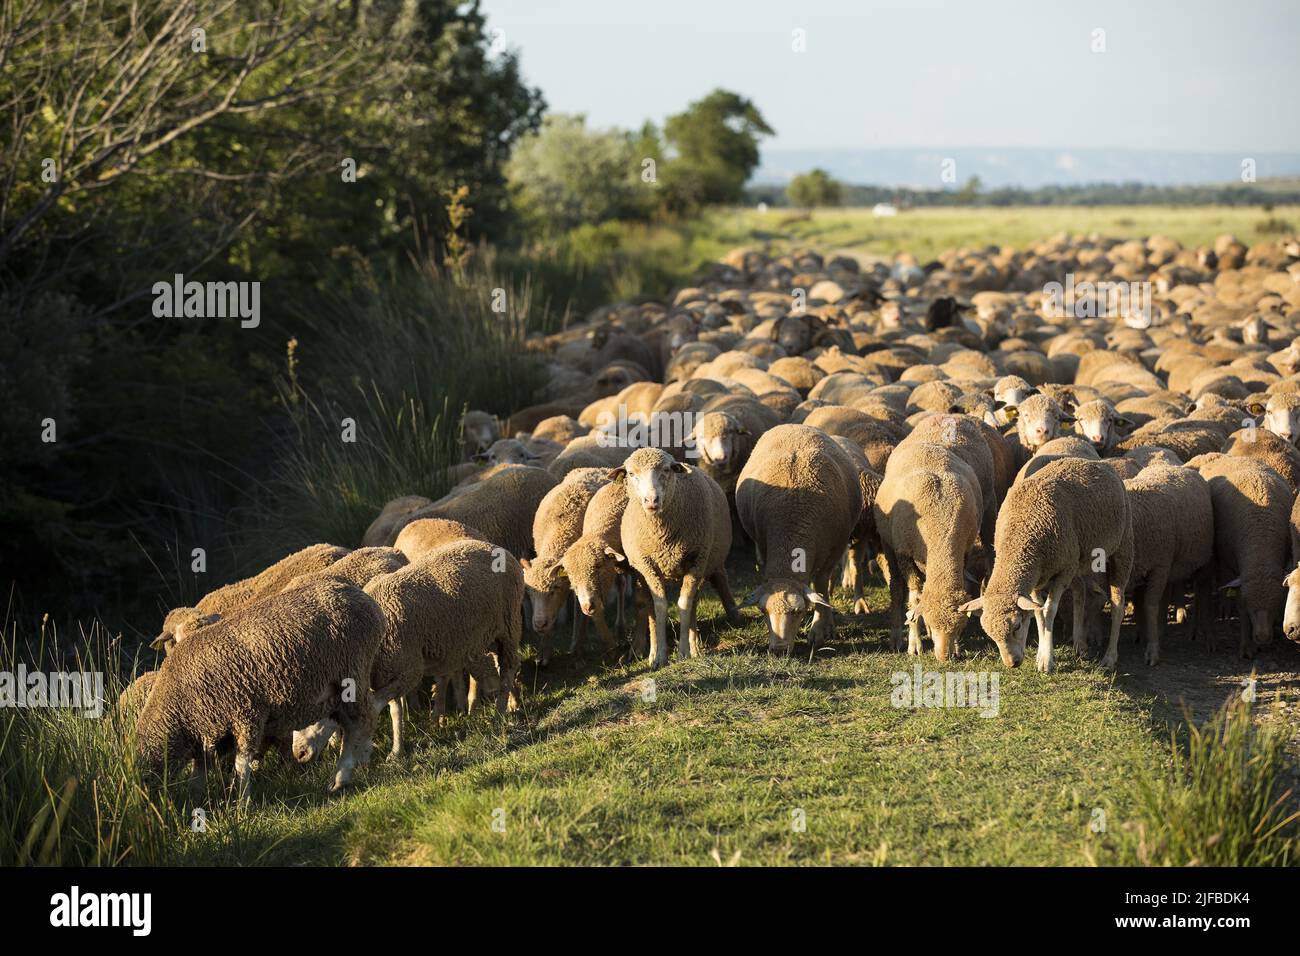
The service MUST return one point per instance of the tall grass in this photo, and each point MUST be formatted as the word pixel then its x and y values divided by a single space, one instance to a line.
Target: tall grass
pixel 375 413
pixel 1223 802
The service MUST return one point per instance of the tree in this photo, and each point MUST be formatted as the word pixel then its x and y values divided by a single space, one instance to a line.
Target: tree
pixel 567 175
pixel 815 188
pixel 715 149
pixel 970 191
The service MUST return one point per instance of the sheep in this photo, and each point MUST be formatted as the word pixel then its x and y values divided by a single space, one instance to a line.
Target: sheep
pixel 382 530
pixel 1051 532
pixel 1252 508
pixel 441 615
pixel 976 444
pixel 428 534
pixel 1273 450
pixel 598 450
pixel 676 527
pixel 725 432
pixel 500 507
pixel 799 498
pixel 182 622
pixel 1173 536
pixel 262 672
pixel 1067 446
pixel 928 513
pixel 480 430
pixel 557 524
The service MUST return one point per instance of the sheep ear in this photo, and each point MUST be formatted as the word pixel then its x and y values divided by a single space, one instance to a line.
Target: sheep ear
pixel 677 467
pixel 970 607
pixel 756 597
pixel 620 558
pixel 1234 583
pixel 526 563
pixel 1028 604
pixel 559 572
pixel 1122 422
pixel 1012 412
pixel 160 642
pixel 616 474
pixel 1256 408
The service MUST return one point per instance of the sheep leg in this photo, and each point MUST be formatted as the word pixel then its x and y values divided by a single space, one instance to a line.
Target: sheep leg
pixel 914 644
pixel 579 629
pixel 720 584
pixel 659 626
pixel 858 561
pixel 357 721
pixel 1079 610
pixel 248 743
pixel 1152 611
pixel 897 600
pixel 688 637
pixel 823 624
pixel 641 623
pixel 1111 657
pixel 397 715
pixel 1046 659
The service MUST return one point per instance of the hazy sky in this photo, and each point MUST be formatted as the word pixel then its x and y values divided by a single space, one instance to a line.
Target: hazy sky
pixel 1175 74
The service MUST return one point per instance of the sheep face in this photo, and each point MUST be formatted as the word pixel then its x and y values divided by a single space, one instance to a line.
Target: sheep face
pixel 547 587
pixel 652 477
pixel 1291 616
pixel 481 430
pixel 1012 390
pixel 717 437
pixel 1005 618
pixel 1038 421
pixel 592 568
pixel 507 451
pixel 308 744
pixel 1281 415
pixel 786 604
pixel 1098 423
pixel 944 619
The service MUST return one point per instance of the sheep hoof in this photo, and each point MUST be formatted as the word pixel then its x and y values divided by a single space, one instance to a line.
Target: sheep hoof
pixel 1109 661
pixel 1153 656
pixel 1046 665
pixel 861 606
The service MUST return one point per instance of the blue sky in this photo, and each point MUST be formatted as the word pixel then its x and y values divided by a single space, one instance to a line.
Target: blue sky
pixel 1190 75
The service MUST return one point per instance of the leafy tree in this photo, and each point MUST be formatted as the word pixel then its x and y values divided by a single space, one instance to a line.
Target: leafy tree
pixel 815 188
pixel 714 143
pixel 566 175
pixel 970 192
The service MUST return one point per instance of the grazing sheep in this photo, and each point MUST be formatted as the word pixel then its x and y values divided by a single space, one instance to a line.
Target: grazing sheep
pixel 441 615
pixel 1252 509
pixel 928 513
pixel 676 527
pixel 262 672
pixel 428 534
pixel 1173 539
pixel 1053 529
pixel 182 622
pixel 799 498
pixel 557 524
pixel 864 536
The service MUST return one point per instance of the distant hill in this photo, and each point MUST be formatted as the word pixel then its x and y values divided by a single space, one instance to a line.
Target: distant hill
pixel 919 167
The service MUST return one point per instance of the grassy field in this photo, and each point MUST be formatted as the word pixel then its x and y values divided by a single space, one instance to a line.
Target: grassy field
pixel 741 758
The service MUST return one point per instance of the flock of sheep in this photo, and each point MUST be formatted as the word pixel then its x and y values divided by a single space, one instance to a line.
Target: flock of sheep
pixel 949 427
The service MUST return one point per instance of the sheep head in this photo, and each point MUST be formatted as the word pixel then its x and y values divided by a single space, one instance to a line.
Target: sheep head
pixel 787 603
pixel 179 624
pixel 591 566
pixel 1038 421
pixel 716 436
pixel 547 586
pixel 652 478
pixel 1005 619
pixel 1097 422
